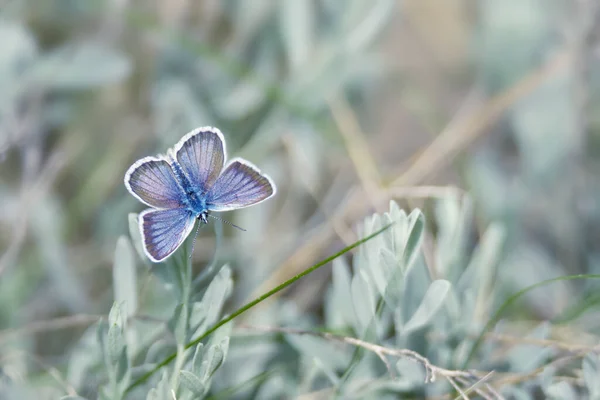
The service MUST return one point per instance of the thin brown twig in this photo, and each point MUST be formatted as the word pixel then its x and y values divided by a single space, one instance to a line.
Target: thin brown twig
pixel 473 387
pixel 462 394
pixel 431 370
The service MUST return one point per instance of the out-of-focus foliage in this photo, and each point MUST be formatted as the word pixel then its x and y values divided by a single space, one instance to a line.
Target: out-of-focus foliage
pixel 470 125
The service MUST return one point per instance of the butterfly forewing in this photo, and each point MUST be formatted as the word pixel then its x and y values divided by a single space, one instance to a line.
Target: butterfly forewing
pixel 152 181
pixel 201 155
pixel 163 231
pixel 240 185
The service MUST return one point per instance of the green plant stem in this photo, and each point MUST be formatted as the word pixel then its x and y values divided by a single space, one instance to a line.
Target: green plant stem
pixel 254 302
pixel 179 360
pixel 510 301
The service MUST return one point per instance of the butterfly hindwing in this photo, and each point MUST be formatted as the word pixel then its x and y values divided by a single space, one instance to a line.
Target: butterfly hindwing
pixel 163 231
pixel 152 181
pixel 201 155
pixel 240 185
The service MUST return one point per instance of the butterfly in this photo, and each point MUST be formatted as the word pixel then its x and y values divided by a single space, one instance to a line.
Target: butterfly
pixel 188 183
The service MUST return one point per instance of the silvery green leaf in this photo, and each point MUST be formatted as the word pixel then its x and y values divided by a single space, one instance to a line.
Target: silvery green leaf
pixel 72 398
pixel 416 227
pixel 416 282
pixel 392 290
pixel 591 375
pixel 124 277
pixel 136 236
pixel 177 270
pixel 363 300
pixel 203 370
pixel 178 324
pixel 224 347
pixel 341 291
pixel 406 234
pixel 122 369
pixel 432 302
pixel 192 383
pixel 197 316
pixel 483 263
pixel 561 391
pixel 162 390
pixel 216 294
pixel 197 360
pixel 80 66
pixel 115 344
pixel 115 316
pixel 115 341
pixel 453 216
pixel 376 272
pixel 215 357
pixel 296 19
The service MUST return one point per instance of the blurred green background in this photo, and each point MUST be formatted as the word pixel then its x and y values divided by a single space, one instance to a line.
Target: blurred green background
pixel 478 112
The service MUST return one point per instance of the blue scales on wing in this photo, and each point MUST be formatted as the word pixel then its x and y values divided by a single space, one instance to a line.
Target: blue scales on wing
pixel 240 185
pixel 201 155
pixel 153 182
pixel 163 231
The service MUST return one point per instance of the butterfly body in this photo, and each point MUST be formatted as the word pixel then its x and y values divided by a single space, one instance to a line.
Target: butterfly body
pixel 187 184
pixel 192 197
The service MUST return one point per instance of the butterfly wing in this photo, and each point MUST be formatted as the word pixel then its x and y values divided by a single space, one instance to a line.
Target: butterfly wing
pixel 240 185
pixel 163 231
pixel 152 181
pixel 201 154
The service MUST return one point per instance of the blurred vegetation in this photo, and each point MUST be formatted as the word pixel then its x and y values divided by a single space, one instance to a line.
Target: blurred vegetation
pixel 470 126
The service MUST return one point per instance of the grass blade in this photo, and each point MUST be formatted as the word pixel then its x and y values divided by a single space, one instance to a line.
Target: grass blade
pixel 254 302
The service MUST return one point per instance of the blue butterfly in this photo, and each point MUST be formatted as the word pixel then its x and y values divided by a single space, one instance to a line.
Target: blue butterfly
pixel 187 184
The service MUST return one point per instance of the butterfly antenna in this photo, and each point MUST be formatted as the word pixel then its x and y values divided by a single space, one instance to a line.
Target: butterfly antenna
pixel 227 222
pixel 194 241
